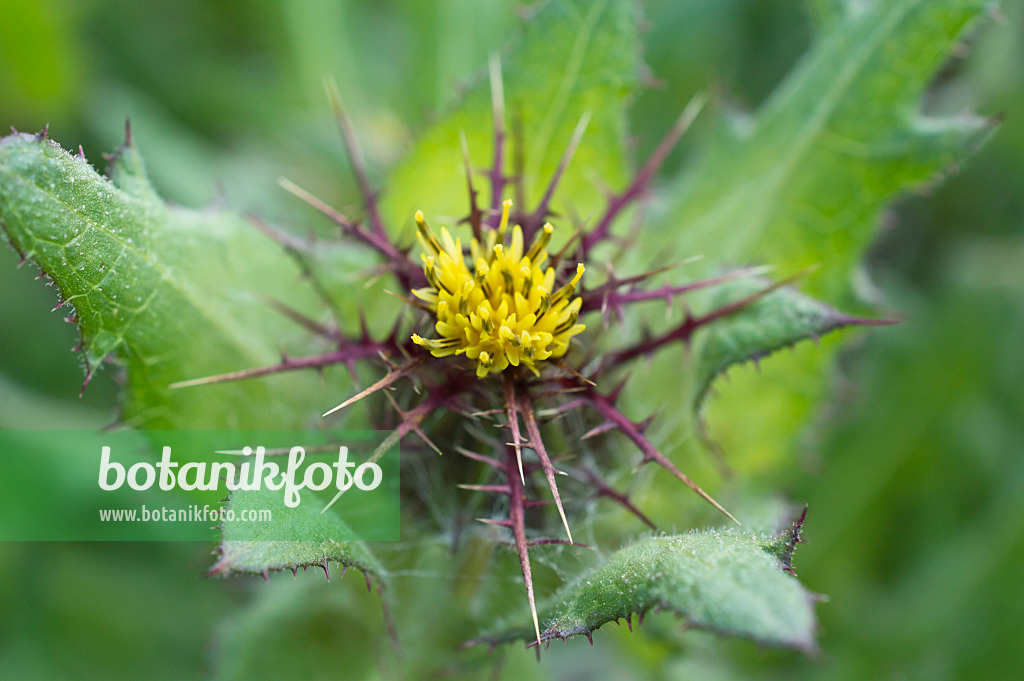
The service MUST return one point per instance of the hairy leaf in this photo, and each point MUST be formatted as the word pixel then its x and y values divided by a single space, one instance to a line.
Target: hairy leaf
pixel 273 551
pixel 777 320
pixel 724 581
pixel 256 547
pixel 173 293
pixel 261 557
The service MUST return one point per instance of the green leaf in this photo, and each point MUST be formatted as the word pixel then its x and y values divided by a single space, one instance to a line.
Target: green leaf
pixel 573 57
pixel 252 547
pixel 173 293
pixel 723 581
pixel 270 547
pixel 804 182
pixel 769 323
pixel 294 618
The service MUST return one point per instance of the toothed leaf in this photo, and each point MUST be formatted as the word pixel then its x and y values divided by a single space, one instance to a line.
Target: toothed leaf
pixel 172 293
pixel 780 319
pixel 270 547
pixel 804 183
pixel 722 581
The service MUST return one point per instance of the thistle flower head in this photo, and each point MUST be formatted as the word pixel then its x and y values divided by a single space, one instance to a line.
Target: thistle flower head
pixel 502 304
pixel 502 308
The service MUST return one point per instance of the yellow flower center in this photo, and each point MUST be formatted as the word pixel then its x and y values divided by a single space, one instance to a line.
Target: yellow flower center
pixel 505 311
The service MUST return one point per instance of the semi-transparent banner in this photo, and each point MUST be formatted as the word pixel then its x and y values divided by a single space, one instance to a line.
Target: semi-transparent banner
pixel 317 485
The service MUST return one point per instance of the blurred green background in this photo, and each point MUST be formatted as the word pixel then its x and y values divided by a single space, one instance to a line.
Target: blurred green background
pixel 914 470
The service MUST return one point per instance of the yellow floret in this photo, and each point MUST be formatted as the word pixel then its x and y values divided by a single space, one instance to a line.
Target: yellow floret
pixel 501 313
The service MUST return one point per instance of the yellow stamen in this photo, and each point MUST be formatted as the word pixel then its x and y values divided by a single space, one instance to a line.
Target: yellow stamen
pixel 570 288
pixel 540 244
pixel 427 235
pixel 506 205
pixel 513 319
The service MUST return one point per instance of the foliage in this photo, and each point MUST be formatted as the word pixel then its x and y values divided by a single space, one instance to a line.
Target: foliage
pixel 152 284
pixel 800 182
pixel 726 582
